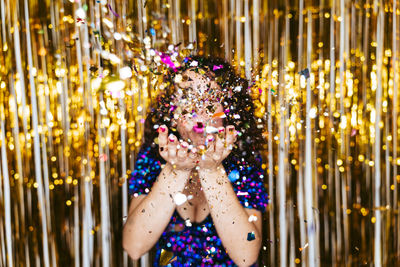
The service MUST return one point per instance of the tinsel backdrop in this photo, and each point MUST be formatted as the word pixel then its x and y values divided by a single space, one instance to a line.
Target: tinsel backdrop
pixel 76 81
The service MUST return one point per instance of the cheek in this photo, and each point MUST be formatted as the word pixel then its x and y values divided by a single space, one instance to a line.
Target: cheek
pixel 184 126
pixel 217 122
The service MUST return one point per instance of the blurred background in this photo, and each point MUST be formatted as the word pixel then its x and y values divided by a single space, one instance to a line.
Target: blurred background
pixel 76 81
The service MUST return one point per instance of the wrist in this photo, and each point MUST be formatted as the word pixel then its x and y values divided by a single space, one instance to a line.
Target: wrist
pixel 176 170
pixel 213 169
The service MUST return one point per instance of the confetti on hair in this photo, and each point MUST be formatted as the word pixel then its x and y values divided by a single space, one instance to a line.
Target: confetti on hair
pixel 217 67
pixel 219 115
pixel 166 59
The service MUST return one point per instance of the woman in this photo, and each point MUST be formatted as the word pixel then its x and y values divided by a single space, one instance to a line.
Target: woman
pixel 197 187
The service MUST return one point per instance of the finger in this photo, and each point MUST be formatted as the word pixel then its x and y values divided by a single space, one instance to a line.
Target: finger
pixel 162 135
pixel 230 135
pixel 193 154
pixel 163 141
pixel 202 150
pixel 219 143
pixel 182 151
pixel 210 144
pixel 230 138
pixel 172 143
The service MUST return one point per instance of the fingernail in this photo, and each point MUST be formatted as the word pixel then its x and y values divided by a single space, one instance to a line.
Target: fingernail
pixel 184 145
pixel 231 129
pixel 162 128
pixel 221 129
pixel 210 138
pixel 171 138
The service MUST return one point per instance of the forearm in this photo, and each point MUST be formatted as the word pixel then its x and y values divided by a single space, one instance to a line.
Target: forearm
pixel 148 220
pixel 230 218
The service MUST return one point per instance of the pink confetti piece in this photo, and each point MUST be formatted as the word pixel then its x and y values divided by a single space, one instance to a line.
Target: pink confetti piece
pixel 115 14
pixel 217 67
pixel 103 157
pixel 166 59
pixel 353 132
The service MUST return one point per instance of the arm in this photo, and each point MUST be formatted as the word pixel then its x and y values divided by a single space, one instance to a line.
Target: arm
pixel 148 220
pixel 230 217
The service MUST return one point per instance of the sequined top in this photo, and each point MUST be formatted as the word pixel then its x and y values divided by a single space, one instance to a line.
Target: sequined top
pixel 198 244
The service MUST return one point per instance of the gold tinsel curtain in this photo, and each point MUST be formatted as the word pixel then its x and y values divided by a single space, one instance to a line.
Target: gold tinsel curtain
pixel 75 86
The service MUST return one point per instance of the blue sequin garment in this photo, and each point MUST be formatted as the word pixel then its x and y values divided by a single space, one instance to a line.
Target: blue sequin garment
pixel 199 244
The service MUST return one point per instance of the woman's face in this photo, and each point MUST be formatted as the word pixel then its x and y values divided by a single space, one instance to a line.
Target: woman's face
pixel 199 111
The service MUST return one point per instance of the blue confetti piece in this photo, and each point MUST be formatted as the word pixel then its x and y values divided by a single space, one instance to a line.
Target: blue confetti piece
pixel 152 31
pixel 305 73
pixel 234 175
pixel 251 236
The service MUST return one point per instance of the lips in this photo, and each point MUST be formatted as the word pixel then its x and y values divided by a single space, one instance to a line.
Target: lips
pixel 199 128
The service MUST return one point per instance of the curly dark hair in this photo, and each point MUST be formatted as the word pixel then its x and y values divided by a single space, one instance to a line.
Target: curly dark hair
pixel 239 102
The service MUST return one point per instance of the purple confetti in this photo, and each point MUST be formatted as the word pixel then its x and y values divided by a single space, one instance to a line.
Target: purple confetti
pixel 115 14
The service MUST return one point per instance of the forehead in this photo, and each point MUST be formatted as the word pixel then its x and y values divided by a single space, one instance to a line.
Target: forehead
pixel 195 88
pixel 195 78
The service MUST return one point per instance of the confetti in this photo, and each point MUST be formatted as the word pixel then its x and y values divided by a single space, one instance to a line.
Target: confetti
pixel 166 59
pixel 125 73
pixel 305 73
pixel 211 130
pixel 179 199
pixel 217 67
pixel 219 115
pixel 305 246
pixel 112 11
pixel 234 175
pixel 253 218
pixel 251 236
pixel 166 257
pixel 103 157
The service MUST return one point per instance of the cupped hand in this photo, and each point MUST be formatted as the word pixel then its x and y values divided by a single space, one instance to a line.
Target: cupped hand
pixel 174 152
pixel 217 149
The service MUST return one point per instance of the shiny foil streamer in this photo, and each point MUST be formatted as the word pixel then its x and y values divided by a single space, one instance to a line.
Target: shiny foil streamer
pixel 325 75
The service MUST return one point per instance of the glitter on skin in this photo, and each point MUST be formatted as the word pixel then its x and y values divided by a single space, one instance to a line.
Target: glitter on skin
pixel 192 245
